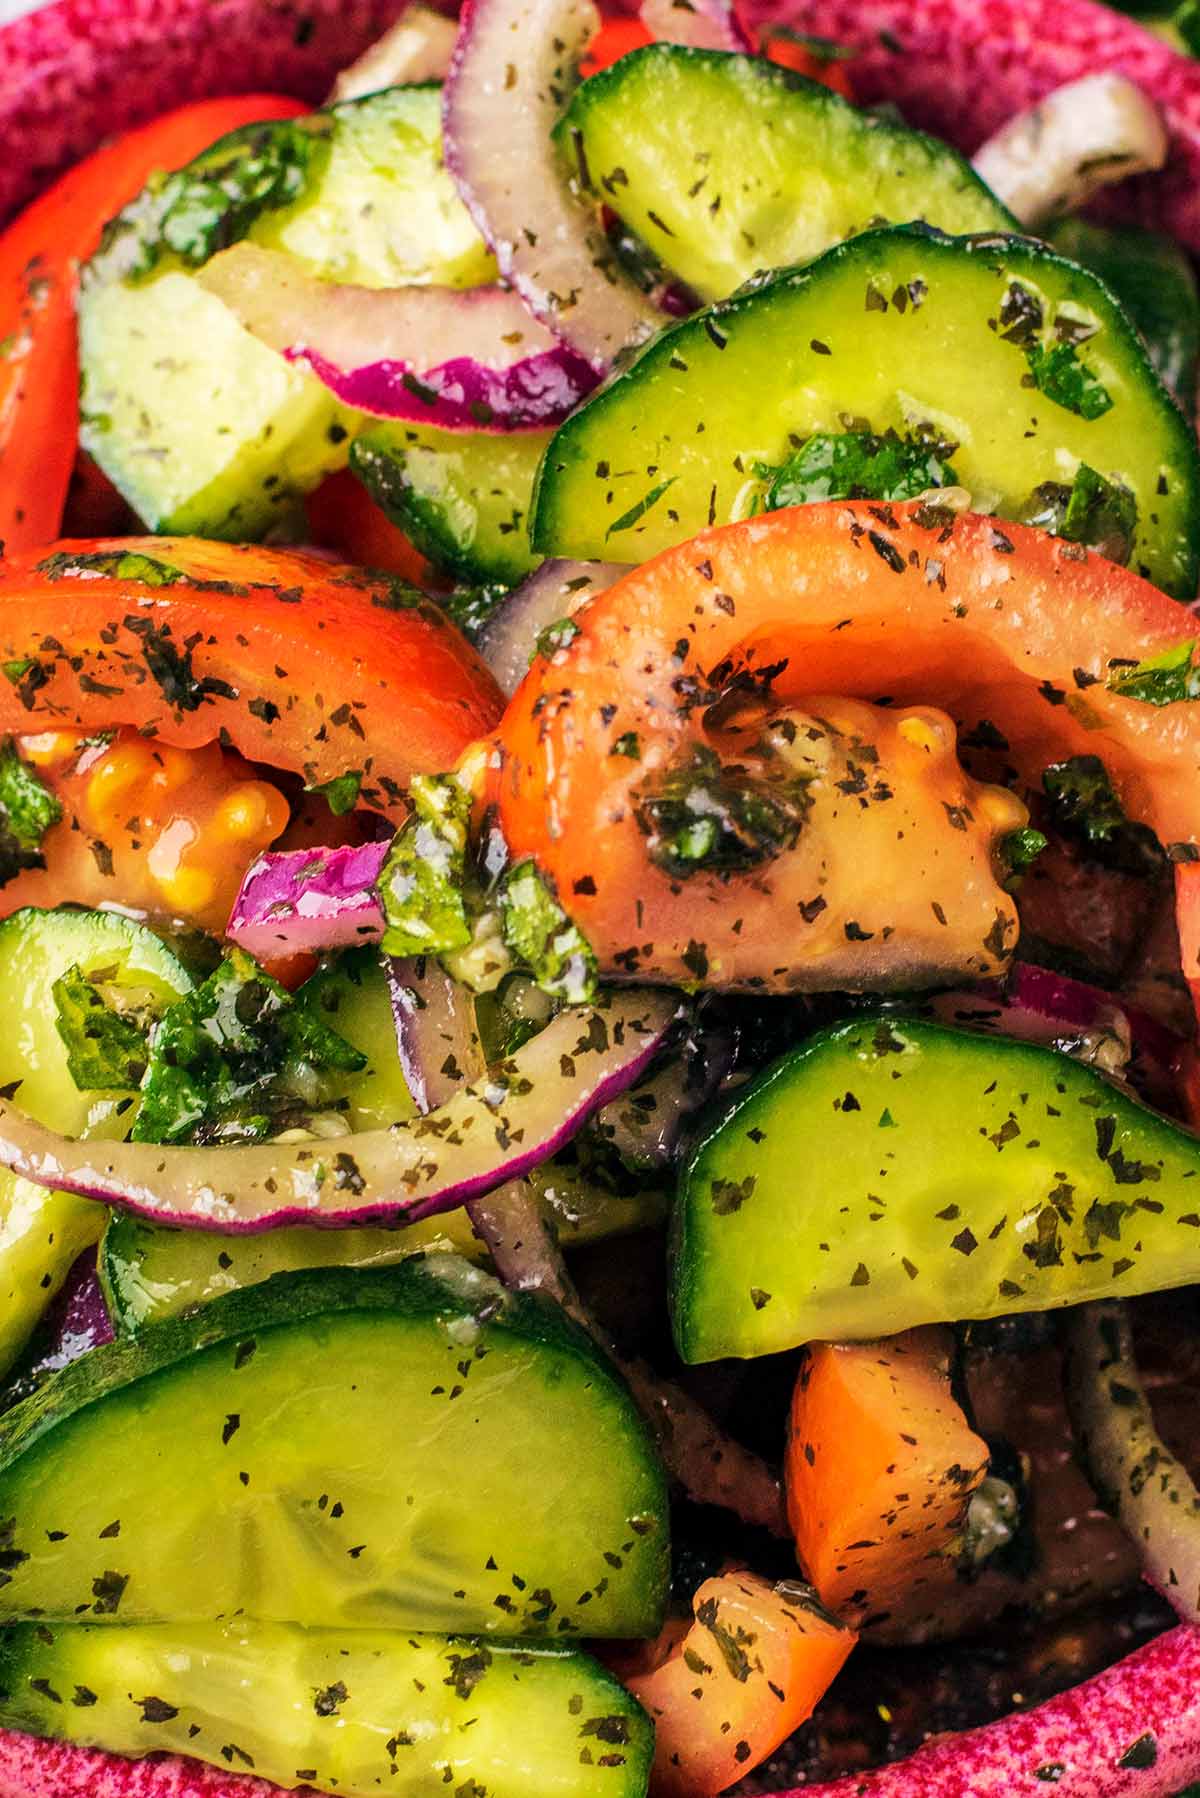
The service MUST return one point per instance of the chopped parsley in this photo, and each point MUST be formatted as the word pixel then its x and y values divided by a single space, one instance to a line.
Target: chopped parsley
pixel 1056 371
pixel 27 811
pixel 340 794
pixel 111 564
pixel 1165 679
pixel 1082 804
pixel 239 1060
pixel 541 935
pixel 710 816
pixel 1021 848
pixel 859 465
pixel 106 1051
pixel 1100 514
pixel 421 885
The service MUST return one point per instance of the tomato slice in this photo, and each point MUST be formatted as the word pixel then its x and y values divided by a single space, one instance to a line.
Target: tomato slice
pixel 296 663
pixel 1013 632
pixel 615 38
pixel 40 255
pixel 342 516
pixel 814 57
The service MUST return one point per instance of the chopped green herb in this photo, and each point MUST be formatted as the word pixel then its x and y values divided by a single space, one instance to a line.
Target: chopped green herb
pixel 111 564
pixel 1021 848
pixel 1057 372
pixel 544 938
pixel 1162 680
pixel 238 1060
pixel 859 465
pixel 421 885
pixel 341 793
pixel 559 635
pixel 716 817
pixel 1083 805
pixel 637 512
pixel 27 811
pixel 106 1052
pixel 1101 514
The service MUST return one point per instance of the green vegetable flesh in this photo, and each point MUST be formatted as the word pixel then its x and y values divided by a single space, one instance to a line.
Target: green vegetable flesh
pixel 41 1232
pixel 354 1713
pixel 411 1448
pixel 204 429
pixel 421 884
pixel 27 811
pixel 149 1273
pixel 463 498
pixel 726 165
pixel 996 345
pixel 106 1052
pixel 1154 280
pixel 891 1173
pixel 238 1060
pixel 351 997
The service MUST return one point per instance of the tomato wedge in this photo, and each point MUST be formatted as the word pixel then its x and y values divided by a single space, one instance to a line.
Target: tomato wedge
pixel 1016 634
pixel 293 661
pixel 40 255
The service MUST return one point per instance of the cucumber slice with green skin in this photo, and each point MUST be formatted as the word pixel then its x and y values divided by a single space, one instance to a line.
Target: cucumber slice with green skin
pixel 41 1232
pixel 725 165
pixel 355 1713
pixel 462 497
pixel 889 1173
pixel 353 998
pixel 1155 282
pixel 897 329
pixel 203 429
pixel 149 1273
pixel 412 1448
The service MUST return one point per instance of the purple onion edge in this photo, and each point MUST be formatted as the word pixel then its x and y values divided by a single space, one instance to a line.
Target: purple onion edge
pixel 462 394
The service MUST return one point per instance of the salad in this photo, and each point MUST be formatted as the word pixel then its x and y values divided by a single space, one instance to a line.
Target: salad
pixel 599 900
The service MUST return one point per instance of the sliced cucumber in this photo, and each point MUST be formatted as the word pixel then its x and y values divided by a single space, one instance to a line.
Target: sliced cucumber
pixel 889 1173
pixel 357 1713
pixel 384 211
pixel 899 329
pixel 1154 280
pixel 725 165
pixel 42 1232
pixel 202 428
pixel 353 998
pixel 149 1273
pixel 411 1448
pixel 462 497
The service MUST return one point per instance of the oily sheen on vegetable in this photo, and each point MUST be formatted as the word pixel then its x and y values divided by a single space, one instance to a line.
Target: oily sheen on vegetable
pixel 300 663
pixel 515 1117
pixel 1030 645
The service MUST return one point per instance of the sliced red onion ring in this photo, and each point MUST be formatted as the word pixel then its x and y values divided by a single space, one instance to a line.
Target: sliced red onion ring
pixel 513 70
pixel 466 359
pixel 1132 1732
pixel 508 641
pixel 1039 1006
pixel 417 48
pixel 31 1767
pixel 520 1113
pixel 76 1323
pixel 701 24
pixel 1135 1475
pixel 439 1045
pixel 306 900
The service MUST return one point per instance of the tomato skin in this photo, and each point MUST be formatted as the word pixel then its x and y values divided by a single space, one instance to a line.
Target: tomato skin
pixel 40 254
pixel 1007 626
pixel 342 516
pixel 616 38
pixel 805 56
pixel 727 1691
pixel 297 663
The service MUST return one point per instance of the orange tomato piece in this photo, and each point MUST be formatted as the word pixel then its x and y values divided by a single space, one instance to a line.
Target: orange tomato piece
pixel 342 516
pixel 40 254
pixel 880 1469
pixel 296 663
pixel 727 1691
pixel 616 38
pixel 809 56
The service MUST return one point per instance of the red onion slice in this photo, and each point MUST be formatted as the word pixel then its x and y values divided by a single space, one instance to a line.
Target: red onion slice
pixel 306 900
pixel 513 70
pixel 556 590
pixel 31 1767
pixel 701 24
pixel 1132 1732
pixel 438 1043
pixel 417 48
pixel 466 359
pixel 520 1113
pixel 1037 1005
pixel 1135 1475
